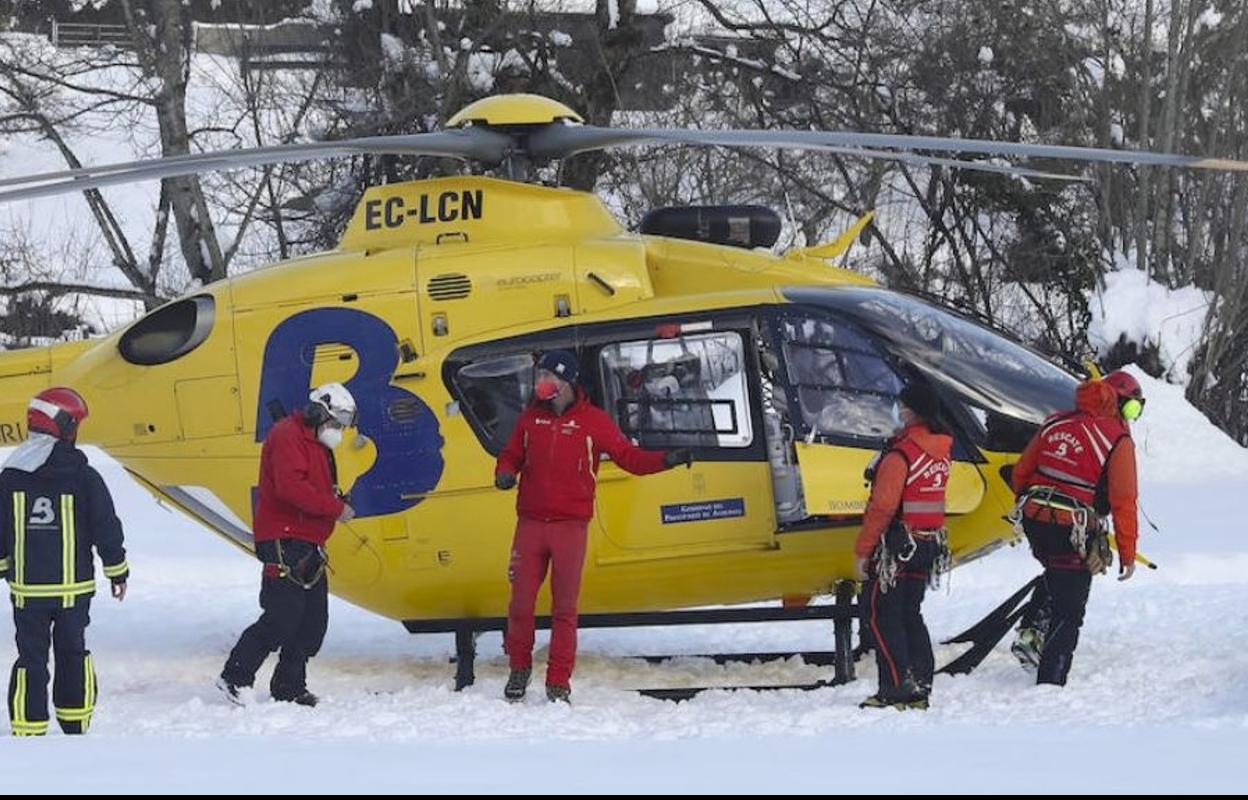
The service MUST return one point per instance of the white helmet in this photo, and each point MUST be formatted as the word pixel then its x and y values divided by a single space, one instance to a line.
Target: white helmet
pixel 336 402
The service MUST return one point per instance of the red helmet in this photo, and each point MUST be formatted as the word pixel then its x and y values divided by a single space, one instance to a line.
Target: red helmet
pixel 1126 386
pixel 57 411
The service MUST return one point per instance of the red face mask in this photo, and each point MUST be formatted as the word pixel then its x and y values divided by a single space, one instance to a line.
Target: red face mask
pixel 546 390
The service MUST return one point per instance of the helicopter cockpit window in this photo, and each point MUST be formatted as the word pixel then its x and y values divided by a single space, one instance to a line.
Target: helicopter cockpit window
pixel 494 391
pixel 169 332
pixel 844 385
pixel 689 391
pixel 984 367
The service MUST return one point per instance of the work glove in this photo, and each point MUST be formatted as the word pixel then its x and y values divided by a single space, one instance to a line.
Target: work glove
pixel 681 455
pixel 504 480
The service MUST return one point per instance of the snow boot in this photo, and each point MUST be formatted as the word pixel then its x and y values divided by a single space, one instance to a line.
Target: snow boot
pixel 517 685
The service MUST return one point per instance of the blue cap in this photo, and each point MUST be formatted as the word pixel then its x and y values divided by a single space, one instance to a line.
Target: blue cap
pixel 922 400
pixel 562 363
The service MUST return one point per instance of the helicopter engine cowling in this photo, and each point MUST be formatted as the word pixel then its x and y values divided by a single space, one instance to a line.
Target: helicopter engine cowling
pixel 735 226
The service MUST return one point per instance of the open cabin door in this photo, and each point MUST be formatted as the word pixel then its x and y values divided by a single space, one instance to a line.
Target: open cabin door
pixel 691 384
pixel 837 396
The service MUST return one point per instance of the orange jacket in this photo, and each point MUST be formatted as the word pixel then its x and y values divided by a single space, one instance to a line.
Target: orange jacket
pixel 890 482
pixel 1099 399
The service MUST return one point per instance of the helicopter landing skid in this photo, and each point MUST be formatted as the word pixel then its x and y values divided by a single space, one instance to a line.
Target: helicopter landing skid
pixel 687 693
pixel 842 613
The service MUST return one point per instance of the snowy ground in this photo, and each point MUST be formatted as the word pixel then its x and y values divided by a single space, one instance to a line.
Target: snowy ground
pixel 1157 700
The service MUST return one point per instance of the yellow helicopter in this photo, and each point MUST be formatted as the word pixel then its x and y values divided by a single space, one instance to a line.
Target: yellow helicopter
pixel 780 371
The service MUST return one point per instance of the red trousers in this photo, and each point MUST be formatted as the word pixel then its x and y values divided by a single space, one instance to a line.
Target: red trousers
pixel 561 545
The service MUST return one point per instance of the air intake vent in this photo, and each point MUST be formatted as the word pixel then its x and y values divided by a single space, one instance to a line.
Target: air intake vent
pixel 449 287
pixel 404 409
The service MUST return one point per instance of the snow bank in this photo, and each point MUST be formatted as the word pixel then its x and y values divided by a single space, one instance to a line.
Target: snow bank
pixel 1176 444
pixel 1134 306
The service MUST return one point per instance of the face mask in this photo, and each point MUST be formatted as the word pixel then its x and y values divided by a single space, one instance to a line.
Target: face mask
pixel 546 390
pixel 329 436
pixel 1132 409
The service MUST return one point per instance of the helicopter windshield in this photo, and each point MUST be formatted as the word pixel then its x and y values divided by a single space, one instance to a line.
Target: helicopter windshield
pixel 982 366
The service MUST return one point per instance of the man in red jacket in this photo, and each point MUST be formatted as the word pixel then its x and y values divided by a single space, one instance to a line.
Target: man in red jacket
pixel 555 448
pixel 900 546
pixel 1078 469
pixel 298 504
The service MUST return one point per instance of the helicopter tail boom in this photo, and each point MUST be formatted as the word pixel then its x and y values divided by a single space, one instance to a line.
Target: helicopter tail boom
pixel 24 373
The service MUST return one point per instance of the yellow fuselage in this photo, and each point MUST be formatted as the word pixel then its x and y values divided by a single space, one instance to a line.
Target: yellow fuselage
pixel 424 270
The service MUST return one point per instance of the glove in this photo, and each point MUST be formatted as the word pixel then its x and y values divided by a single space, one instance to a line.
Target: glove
pixel 504 481
pixel 681 455
pixel 347 514
pixel 1125 571
pixel 860 567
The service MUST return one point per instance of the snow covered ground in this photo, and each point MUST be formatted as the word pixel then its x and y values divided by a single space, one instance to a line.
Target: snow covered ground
pixel 1157 701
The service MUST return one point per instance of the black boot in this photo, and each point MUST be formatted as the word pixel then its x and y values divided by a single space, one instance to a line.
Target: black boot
pixel 517 685
pixel 558 694
pixel 302 697
pixel 233 692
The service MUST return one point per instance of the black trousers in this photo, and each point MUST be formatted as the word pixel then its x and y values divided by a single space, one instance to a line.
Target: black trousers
pixel 1067 584
pixel 39 625
pixel 903 647
pixel 294 621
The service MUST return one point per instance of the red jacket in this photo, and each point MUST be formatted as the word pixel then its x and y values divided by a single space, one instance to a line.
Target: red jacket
pixel 891 476
pixel 557 459
pixel 297 497
pixel 1095 399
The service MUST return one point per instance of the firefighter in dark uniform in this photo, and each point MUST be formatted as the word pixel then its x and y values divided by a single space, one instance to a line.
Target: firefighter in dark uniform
pixel 298 505
pixel 1078 469
pixel 56 509
pixel 902 546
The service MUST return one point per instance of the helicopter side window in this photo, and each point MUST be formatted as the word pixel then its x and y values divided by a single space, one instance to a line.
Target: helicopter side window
pixel 843 383
pixel 169 332
pixel 494 391
pixel 688 391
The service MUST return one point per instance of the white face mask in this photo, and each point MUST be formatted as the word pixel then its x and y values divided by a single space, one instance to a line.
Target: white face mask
pixel 329 436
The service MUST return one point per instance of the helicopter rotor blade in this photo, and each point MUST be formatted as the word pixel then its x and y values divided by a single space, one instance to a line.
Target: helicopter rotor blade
pixel 954 163
pixel 559 141
pixel 475 144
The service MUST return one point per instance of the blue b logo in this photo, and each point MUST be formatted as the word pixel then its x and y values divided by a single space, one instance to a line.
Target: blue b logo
pixel 404 429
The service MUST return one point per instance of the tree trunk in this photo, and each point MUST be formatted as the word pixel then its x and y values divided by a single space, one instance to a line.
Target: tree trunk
pixel 163 36
pixel 1146 111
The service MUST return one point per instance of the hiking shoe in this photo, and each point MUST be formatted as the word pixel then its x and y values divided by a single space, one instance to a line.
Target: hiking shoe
pixel 517 685
pixel 236 695
pixel 914 702
pixel 300 698
pixel 1027 648
pixel 556 693
pixel 875 701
